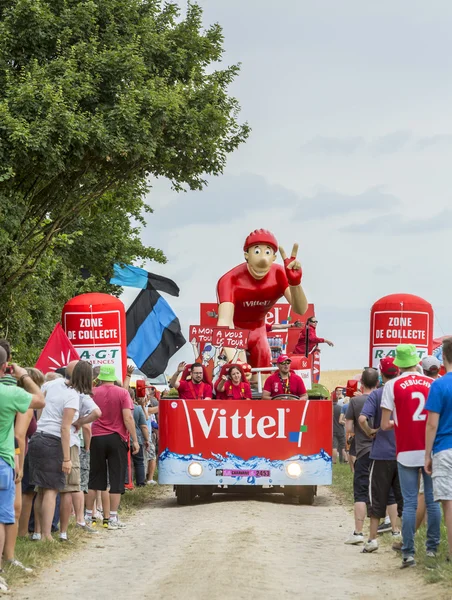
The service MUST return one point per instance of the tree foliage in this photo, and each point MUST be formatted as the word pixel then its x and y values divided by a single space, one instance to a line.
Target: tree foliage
pixel 97 97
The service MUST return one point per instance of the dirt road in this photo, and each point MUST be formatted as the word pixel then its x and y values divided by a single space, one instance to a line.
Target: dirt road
pixel 231 548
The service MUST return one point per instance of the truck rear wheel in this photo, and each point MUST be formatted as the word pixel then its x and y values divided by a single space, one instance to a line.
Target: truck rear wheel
pixel 184 494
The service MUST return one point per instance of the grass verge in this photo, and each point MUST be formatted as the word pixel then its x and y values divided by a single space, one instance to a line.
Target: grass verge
pixel 39 555
pixel 343 483
pixel 343 488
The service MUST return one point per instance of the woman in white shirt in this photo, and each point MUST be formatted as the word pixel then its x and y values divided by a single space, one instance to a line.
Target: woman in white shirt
pixel 49 448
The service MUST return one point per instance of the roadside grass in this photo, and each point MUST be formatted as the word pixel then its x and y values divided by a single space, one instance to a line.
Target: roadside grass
pixel 39 555
pixel 343 488
pixel 343 482
pixel 139 497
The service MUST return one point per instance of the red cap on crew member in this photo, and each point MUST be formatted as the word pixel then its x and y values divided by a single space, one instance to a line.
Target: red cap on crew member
pixel 261 236
pixel 283 358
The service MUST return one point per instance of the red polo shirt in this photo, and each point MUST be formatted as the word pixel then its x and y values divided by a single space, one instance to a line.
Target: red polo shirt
pixel 194 391
pixel 274 385
pixel 235 392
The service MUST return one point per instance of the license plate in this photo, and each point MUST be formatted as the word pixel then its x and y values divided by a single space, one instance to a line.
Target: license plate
pixel 241 473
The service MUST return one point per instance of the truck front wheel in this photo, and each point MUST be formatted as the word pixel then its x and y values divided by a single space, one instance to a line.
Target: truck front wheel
pixel 306 494
pixel 184 494
pixel 303 493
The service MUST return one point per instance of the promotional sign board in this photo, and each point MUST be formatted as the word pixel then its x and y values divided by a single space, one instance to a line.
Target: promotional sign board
pixel 402 328
pixel 90 329
pixel 223 337
pixel 400 319
pixel 200 334
pixel 245 442
pixel 95 324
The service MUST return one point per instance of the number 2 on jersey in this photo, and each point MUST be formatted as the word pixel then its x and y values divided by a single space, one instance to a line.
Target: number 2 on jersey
pixel 418 416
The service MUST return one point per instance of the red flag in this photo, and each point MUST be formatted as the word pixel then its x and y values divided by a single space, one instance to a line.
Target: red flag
pixel 58 351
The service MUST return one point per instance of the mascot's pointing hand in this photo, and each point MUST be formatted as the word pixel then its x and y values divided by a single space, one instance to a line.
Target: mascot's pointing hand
pixel 292 266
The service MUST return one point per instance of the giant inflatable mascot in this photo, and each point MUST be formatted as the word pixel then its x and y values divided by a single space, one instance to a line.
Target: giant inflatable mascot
pixel 247 292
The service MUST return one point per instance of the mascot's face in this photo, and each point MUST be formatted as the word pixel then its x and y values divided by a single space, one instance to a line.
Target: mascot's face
pixel 260 259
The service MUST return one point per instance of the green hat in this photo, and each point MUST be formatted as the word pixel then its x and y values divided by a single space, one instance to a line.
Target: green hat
pixel 318 391
pixel 107 373
pixel 406 356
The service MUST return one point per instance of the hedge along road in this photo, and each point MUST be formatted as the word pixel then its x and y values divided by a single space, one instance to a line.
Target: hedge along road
pixel 231 547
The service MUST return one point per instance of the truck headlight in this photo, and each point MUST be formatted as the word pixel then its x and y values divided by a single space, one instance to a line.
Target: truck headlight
pixel 293 470
pixel 195 469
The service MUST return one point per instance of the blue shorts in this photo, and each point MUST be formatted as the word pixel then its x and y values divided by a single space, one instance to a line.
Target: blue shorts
pixel 7 493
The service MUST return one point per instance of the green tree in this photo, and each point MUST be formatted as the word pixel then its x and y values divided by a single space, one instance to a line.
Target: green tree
pixel 96 97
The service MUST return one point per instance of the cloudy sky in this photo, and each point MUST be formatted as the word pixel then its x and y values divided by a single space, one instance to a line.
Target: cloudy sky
pixel 349 155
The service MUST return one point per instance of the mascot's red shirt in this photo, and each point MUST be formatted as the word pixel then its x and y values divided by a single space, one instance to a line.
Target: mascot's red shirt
pixel 252 298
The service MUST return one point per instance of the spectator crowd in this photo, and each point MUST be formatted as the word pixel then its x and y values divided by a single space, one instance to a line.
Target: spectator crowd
pixel 64 450
pixel 396 434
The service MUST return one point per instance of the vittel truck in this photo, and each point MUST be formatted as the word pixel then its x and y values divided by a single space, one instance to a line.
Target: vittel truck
pixel 216 446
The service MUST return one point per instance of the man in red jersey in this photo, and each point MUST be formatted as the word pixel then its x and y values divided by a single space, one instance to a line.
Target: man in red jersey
pixel 250 290
pixel 284 382
pixel 404 397
pixel 196 388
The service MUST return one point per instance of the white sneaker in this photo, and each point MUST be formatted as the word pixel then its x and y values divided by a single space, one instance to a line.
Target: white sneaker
pixel 355 538
pixel 3 585
pixel 86 527
pixel 120 524
pixel 36 537
pixel 116 524
pixel 16 563
pixel 151 482
pixel 370 546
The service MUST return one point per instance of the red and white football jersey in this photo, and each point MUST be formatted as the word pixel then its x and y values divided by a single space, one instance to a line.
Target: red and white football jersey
pixel 406 396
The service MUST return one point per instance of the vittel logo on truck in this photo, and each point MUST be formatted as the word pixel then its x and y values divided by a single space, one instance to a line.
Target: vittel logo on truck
pixel 237 426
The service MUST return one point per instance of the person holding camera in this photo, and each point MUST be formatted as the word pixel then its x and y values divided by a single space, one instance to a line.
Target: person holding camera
pixel 234 386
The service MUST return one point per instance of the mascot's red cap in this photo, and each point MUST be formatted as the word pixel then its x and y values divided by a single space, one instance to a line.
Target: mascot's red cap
pixel 261 236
